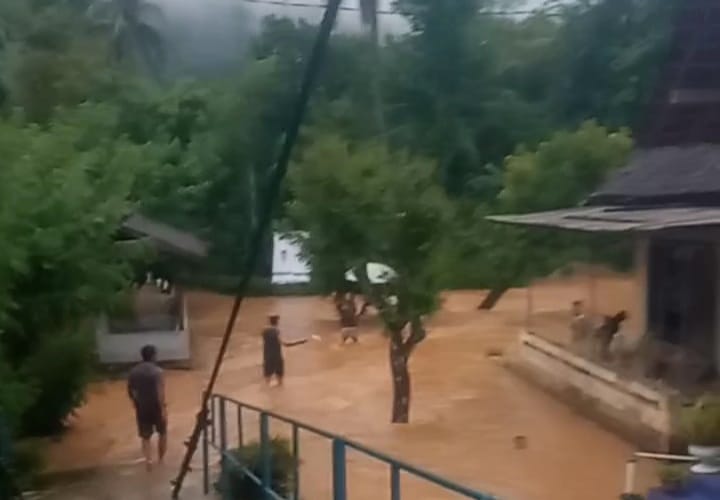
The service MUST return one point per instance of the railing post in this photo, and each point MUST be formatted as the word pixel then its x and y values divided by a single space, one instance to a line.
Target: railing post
pixel 223 427
pixel 265 454
pixel 339 470
pixel 296 461
pixel 394 482
pixel 630 476
pixel 213 432
pixel 205 454
pixel 240 425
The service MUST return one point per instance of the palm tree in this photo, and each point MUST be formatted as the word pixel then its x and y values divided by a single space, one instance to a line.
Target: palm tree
pixel 369 18
pixel 134 26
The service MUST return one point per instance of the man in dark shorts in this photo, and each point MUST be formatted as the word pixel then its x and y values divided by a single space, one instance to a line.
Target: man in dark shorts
pixel 273 362
pixel 146 388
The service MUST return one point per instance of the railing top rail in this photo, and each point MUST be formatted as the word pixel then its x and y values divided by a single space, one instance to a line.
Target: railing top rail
pixel 664 456
pixel 400 464
pixel 277 416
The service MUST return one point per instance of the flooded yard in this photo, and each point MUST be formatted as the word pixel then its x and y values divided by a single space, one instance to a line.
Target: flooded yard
pixel 466 407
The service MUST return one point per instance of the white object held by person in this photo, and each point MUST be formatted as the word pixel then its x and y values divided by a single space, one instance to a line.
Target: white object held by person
pixel 378 274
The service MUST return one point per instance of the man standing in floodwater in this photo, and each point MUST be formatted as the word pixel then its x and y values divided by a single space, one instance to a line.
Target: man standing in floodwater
pixel 273 362
pixel 146 388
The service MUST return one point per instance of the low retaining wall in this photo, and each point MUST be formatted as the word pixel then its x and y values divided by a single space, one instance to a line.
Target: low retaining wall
pixel 173 346
pixel 641 414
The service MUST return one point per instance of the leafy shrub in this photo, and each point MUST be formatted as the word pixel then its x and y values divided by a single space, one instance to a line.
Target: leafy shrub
pixel 27 463
pixel 700 423
pixel 60 368
pixel 16 395
pixel 234 484
pixel 673 475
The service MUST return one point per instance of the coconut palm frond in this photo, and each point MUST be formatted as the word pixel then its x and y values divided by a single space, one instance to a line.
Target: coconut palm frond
pixel 369 12
pixel 152 46
pixel 134 27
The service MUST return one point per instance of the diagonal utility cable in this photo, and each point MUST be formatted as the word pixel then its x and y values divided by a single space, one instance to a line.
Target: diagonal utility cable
pixel 268 203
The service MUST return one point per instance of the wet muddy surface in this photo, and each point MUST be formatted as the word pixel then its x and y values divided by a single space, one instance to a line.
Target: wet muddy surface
pixel 467 409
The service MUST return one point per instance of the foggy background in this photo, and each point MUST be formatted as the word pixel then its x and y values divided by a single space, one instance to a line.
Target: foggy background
pixel 210 35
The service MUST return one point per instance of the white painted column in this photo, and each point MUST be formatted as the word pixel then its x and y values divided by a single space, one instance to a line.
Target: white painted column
pixel 640 277
pixel 717 307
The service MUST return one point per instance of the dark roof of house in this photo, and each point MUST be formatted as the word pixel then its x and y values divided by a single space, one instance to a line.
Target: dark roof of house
pixel 165 237
pixel 680 175
pixel 604 219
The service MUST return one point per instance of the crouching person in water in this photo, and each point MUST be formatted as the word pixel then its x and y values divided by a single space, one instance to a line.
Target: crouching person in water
pixel 273 362
pixel 146 388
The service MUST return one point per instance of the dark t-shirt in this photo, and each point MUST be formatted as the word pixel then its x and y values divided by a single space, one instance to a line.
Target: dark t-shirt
pixel 271 343
pixel 143 387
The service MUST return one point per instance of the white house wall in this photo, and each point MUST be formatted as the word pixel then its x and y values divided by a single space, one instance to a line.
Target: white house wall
pixel 288 266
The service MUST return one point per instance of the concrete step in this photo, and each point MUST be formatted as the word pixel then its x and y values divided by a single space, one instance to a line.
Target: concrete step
pixel 126 482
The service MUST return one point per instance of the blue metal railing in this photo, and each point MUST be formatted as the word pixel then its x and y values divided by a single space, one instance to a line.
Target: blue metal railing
pixel 215 435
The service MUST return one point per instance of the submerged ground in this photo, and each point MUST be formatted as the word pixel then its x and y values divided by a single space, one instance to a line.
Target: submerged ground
pixel 466 408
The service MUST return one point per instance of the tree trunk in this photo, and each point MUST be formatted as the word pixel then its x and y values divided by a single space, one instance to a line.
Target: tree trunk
pixel 401 383
pixel 492 298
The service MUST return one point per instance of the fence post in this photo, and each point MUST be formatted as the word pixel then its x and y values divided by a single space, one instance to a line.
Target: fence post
pixel 213 432
pixel 296 459
pixel 630 476
pixel 339 470
pixel 265 454
pixel 240 425
pixel 394 482
pixel 205 454
pixel 223 427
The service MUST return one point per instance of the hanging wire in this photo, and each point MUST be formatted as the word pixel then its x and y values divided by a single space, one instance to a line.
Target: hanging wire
pixel 546 11
pixel 265 218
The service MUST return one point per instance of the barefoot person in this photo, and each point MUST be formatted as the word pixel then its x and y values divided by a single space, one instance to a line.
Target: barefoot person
pixel 146 388
pixel 273 362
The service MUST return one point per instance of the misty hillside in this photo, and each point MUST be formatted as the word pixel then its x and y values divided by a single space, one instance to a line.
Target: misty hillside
pixel 212 35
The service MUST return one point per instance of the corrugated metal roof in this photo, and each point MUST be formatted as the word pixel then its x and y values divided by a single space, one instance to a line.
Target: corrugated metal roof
pixel 617 219
pixel 675 174
pixel 165 236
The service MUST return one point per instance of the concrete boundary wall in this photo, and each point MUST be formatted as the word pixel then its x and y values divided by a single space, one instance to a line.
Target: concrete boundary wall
pixel 173 346
pixel 639 413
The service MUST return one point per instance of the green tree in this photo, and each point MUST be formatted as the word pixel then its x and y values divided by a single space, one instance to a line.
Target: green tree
pixel 62 197
pixel 363 204
pixel 560 173
pixel 52 60
pixel 609 55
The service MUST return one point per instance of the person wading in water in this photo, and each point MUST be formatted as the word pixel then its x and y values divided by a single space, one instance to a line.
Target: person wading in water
pixel 273 362
pixel 146 389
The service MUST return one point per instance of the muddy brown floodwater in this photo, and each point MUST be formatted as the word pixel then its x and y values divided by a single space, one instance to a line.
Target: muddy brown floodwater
pixel 466 407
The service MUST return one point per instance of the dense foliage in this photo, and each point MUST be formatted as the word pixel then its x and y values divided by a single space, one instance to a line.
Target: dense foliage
pixel 479 113
pixel 234 484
